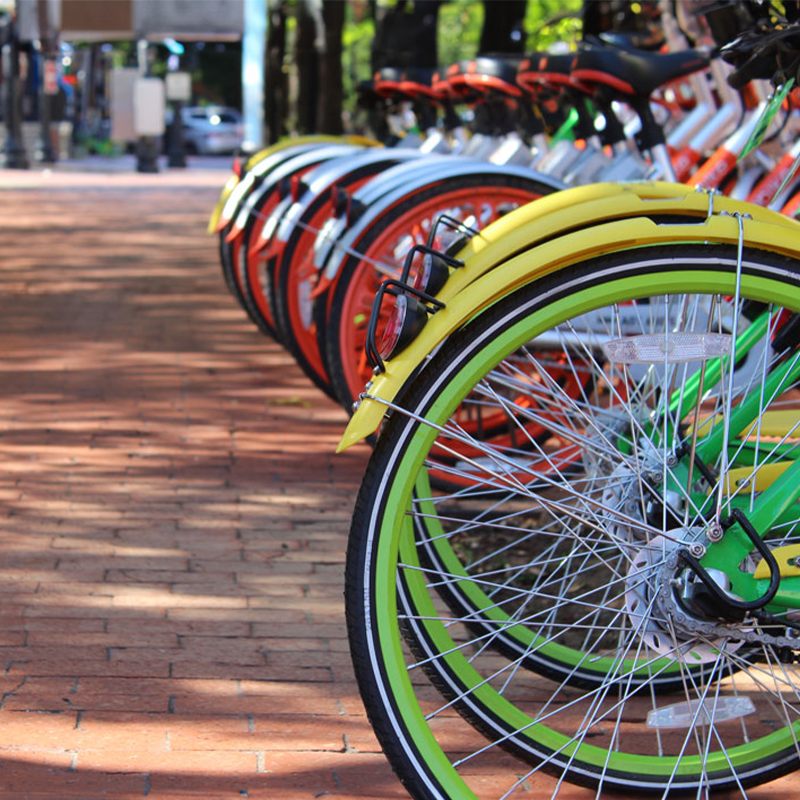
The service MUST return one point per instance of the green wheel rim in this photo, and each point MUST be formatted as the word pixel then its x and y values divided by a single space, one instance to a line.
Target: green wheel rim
pixel 395 538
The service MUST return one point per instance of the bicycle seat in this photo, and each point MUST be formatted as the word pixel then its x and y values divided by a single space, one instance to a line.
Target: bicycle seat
pixel 539 71
pixel 632 40
pixel 440 83
pixel 485 75
pixel 635 74
pixel 387 82
pixel 454 77
pixel 418 83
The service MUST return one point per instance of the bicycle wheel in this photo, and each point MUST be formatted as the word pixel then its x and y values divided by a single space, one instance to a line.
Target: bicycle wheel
pixel 295 275
pixel 253 267
pixel 614 678
pixel 254 257
pixel 226 260
pixel 382 250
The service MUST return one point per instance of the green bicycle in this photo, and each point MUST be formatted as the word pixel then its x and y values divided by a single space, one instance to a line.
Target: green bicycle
pixel 613 603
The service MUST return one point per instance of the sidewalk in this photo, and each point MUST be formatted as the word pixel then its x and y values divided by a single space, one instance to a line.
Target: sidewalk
pixel 96 171
pixel 173 520
pixel 172 517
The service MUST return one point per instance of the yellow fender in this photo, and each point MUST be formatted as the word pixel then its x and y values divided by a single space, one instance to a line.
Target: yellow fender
pixel 229 186
pixel 557 214
pixel 234 179
pixel 554 232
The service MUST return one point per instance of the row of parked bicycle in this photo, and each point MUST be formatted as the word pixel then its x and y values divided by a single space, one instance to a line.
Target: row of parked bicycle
pixel 575 548
pixel 313 227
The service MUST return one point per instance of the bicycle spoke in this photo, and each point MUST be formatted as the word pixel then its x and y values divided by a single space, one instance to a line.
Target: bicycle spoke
pixel 547 615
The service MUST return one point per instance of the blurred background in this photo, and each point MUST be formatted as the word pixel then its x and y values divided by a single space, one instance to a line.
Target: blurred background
pixel 85 77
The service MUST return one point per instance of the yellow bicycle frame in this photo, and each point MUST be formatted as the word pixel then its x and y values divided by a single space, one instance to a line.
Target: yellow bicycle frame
pixel 555 232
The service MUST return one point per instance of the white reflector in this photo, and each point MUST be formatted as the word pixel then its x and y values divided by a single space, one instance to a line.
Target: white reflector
pixel 661 348
pixel 716 709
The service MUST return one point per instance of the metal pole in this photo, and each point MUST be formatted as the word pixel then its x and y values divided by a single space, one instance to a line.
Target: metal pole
pixel 12 154
pixel 254 46
pixel 177 155
pixel 48 84
pixel 146 146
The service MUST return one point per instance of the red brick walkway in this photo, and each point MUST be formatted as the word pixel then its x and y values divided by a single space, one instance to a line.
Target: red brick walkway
pixel 172 519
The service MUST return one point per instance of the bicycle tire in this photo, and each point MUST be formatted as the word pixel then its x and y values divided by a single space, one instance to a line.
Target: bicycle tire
pixel 511 723
pixel 346 305
pixel 254 268
pixel 294 276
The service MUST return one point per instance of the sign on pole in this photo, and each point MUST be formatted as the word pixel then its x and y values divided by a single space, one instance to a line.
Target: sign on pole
pixel 122 82
pixel 179 86
pixel 50 77
pixel 148 106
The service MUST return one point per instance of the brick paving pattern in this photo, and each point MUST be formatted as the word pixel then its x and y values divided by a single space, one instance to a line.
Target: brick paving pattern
pixel 172 519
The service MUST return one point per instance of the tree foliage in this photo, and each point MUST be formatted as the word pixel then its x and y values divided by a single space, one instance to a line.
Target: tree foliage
pixel 460 25
pixel 553 21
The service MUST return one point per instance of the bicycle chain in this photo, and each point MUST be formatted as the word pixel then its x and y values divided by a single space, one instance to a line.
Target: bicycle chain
pixel 671 608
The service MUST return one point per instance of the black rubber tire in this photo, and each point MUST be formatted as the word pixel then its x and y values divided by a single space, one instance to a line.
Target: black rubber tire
pixel 374 643
pixel 280 285
pixel 354 270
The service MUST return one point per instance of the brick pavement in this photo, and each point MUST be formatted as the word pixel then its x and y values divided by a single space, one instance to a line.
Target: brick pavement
pixel 172 519
pixel 172 516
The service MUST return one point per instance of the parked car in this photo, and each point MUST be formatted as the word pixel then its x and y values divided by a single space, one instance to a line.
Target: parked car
pixel 211 130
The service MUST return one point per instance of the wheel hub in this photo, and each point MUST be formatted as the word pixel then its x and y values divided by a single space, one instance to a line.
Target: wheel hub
pixel 664 624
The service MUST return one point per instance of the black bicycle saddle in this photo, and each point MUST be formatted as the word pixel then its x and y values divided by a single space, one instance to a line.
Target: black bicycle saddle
pixel 636 73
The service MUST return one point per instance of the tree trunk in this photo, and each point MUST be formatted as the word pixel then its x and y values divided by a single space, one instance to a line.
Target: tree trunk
pixel 45 151
pixel 331 78
pixel 308 69
pixel 405 35
pixel 503 27
pixel 276 95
